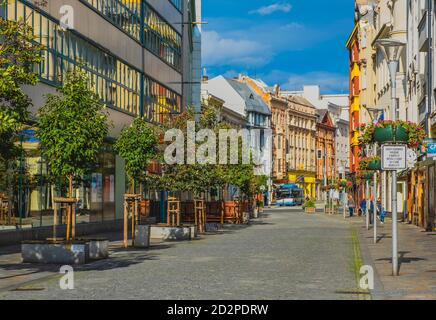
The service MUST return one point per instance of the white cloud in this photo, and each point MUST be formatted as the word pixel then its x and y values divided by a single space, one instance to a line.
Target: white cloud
pixel 328 81
pixel 218 50
pixel 276 7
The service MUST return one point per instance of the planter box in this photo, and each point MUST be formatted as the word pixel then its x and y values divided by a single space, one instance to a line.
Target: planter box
pixel 391 134
pixel 310 210
pixel 76 252
pixel 245 217
pixel 98 247
pixel 374 165
pixel 166 233
pixel 213 227
pixel 142 236
pixel 255 213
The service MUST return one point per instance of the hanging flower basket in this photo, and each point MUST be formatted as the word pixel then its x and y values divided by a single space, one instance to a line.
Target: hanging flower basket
pixel 388 131
pixel 343 183
pixel 370 163
pixel 391 133
pixel 374 165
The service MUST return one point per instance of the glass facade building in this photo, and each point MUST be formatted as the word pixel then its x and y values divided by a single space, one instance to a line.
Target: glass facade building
pixel 128 90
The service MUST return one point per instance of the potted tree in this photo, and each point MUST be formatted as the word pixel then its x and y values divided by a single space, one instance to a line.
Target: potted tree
pixel 72 126
pixel 137 145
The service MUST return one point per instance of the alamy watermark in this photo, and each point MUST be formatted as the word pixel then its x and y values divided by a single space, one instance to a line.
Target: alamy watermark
pixel 367 278
pixel 201 147
pixel 66 282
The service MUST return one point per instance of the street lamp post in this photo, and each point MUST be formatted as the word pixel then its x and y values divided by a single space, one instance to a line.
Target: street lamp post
pixel 392 50
pixel 367 195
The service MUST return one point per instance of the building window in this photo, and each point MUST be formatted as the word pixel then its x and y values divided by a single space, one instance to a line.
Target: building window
pixel 162 39
pixel 177 4
pixel 115 82
pixel 159 36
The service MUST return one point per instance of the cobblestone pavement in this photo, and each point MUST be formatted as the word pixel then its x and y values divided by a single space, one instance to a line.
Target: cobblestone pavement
pixel 417 260
pixel 284 255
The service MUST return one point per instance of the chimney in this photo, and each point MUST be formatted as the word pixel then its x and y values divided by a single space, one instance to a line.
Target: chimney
pixel 205 76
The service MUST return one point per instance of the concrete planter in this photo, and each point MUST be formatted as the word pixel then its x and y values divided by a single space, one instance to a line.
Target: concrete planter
pixel 255 213
pixel 8 228
pixel 142 236
pixel 47 252
pixel 98 248
pixel 213 227
pixel 245 217
pixel 166 233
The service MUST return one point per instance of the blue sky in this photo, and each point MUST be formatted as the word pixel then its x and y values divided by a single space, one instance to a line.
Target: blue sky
pixel 289 42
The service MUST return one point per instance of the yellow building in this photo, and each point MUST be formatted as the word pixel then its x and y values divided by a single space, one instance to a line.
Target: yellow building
pixel 301 136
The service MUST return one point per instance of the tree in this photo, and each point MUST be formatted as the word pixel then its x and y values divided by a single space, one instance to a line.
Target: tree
pixel 137 145
pixel 72 126
pixel 19 54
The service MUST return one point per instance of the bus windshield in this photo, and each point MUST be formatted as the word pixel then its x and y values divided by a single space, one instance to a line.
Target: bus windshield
pixel 290 193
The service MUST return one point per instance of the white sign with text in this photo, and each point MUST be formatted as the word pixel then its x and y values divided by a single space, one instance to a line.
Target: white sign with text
pixel 394 157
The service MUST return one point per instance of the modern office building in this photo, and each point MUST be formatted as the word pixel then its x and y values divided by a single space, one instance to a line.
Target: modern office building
pixel 139 55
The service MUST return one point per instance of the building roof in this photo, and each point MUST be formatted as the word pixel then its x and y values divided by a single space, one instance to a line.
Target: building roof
pixel 253 102
pixel 321 114
pixel 302 101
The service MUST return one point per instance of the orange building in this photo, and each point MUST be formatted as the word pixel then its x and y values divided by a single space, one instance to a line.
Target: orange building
pixel 326 151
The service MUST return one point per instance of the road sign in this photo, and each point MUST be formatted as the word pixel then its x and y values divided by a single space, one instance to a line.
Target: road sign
pixel 431 150
pixel 394 157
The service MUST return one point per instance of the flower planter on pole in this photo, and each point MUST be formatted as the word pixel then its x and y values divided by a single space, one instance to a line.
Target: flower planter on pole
pixel 391 134
pixel 374 165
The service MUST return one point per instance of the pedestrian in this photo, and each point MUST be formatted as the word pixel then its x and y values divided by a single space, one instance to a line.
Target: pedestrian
pixel 351 205
pixel 381 210
pixel 372 212
pixel 363 206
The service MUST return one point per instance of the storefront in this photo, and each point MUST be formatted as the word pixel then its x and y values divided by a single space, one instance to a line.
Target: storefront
pixel 33 188
pixel 421 202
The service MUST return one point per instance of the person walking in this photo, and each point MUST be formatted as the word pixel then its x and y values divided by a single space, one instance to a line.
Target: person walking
pixel 363 206
pixel 382 212
pixel 351 205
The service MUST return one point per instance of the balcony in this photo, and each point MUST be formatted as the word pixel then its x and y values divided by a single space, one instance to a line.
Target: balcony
pixel 423 33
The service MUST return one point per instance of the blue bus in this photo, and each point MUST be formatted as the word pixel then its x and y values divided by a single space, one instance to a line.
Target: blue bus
pixel 289 195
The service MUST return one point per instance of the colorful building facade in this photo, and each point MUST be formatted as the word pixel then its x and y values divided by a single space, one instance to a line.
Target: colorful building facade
pixel 301 135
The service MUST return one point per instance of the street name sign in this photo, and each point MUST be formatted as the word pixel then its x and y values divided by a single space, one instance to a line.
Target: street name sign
pixel 394 157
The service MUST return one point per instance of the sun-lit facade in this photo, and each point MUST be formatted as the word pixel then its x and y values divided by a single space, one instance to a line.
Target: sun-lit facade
pixel 131 51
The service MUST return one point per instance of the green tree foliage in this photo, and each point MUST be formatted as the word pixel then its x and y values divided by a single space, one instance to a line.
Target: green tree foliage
pixel 137 145
pixel 19 55
pixel 72 126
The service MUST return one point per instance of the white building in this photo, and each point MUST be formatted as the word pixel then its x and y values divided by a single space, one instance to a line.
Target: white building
pixel 337 104
pixel 242 100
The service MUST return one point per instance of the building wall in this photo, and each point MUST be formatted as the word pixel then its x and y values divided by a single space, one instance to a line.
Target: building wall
pixel 133 73
pixel 337 104
pixel 301 137
pixel 279 108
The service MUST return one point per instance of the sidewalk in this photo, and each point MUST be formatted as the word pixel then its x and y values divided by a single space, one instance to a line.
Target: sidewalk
pixel 417 260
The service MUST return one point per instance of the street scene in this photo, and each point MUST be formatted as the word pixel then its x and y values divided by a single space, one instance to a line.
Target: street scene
pixel 217 150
